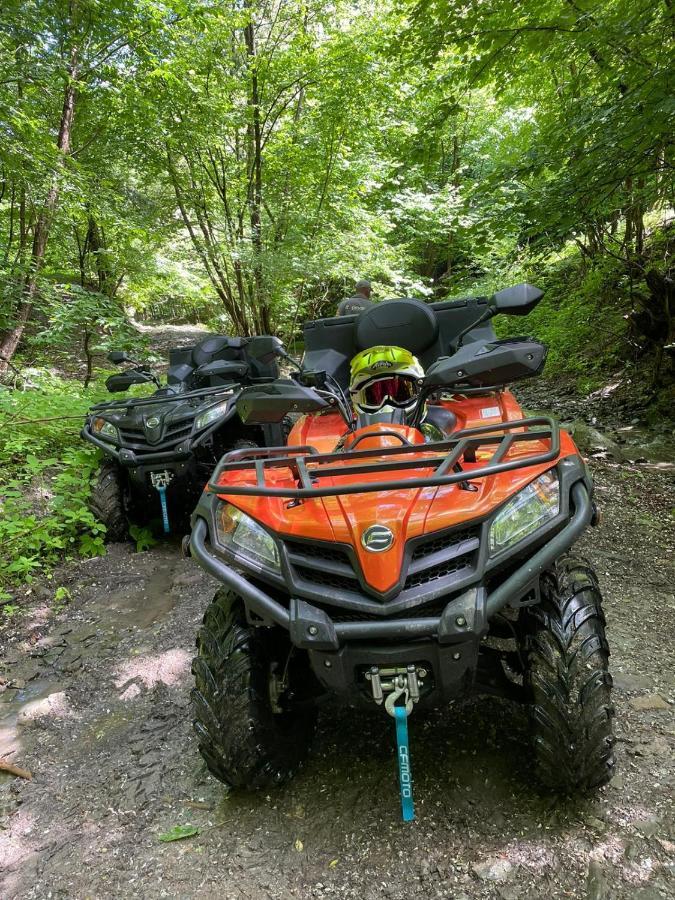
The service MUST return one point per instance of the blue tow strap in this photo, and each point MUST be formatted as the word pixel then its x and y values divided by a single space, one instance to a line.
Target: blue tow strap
pixel 404 773
pixel 165 511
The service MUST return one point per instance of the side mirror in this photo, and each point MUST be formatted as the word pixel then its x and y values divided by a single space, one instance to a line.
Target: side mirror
pixel 518 300
pixel 268 403
pixel 119 356
pixel 124 380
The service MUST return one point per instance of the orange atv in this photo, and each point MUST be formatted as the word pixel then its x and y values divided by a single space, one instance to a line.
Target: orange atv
pixel 401 559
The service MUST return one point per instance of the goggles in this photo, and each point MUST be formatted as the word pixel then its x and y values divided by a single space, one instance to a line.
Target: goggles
pixel 392 390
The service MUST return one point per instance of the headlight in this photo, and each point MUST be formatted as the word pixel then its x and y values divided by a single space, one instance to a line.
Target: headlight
pixel 105 430
pixel 531 508
pixel 245 538
pixel 210 415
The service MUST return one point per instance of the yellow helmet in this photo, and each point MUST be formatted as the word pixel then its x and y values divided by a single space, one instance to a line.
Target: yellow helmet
pixel 384 376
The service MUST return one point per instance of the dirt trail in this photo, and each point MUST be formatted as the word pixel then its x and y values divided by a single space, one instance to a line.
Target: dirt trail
pixel 162 338
pixel 95 702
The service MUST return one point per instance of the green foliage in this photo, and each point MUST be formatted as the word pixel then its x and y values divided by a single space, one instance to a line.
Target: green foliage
pixel 62 598
pixel 582 318
pixel 242 165
pixel 178 833
pixel 44 483
pixel 143 537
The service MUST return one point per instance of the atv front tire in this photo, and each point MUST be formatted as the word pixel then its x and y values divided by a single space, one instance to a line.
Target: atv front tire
pixel 567 677
pixel 247 738
pixel 106 503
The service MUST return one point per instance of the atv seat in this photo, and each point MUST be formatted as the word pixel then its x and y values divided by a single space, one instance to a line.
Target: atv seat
pixel 442 418
pixel 215 349
pixel 184 361
pixel 397 321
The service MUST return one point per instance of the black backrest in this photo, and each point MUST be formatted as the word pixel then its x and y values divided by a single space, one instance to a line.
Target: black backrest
pixel 217 346
pixel 404 323
pixel 263 363
pixel 330 346
pixel 180 365
pixel 331 343
pixel 454 316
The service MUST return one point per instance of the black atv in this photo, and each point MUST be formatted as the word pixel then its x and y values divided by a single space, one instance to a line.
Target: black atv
pixel 159 450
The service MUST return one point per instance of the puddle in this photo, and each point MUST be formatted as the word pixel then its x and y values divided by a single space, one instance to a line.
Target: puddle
pixel 14 703
pixel 115 608
pixel 141 609
pixel 139 604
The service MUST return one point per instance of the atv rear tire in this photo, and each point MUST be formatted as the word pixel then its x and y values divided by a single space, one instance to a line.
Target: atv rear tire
pixel 106 503
pixel 243 741
pixel 567 678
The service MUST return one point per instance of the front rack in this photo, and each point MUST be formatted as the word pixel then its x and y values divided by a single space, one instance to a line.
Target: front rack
pixel 307 465
pixel 150 400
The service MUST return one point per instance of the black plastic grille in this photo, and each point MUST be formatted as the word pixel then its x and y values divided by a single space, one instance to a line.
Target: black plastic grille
pixel 324 568
pixel 179 429
pixel 434 573
pixel 132 434
pixel 318 551
pixel 173 434
pixel 451 539
pixel 326 579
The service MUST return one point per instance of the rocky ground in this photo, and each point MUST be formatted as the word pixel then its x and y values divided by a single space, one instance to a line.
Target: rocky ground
pixel 94 703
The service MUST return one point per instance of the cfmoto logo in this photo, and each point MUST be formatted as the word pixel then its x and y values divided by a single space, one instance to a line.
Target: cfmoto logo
pixel 152 422
pixel 377 538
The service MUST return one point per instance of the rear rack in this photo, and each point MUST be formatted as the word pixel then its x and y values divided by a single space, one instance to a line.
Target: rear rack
pixel 307 465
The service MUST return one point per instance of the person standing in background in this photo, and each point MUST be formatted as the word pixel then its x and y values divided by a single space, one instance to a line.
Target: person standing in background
pixel 353 306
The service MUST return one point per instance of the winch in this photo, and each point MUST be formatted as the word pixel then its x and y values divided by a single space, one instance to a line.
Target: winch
pixel 402 689
pixel 395 681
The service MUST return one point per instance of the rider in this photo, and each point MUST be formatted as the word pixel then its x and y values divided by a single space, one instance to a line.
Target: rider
pixel 354 306
pixel 384 385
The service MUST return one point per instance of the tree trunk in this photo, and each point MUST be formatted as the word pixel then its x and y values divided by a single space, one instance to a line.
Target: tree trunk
pixel 260 305
pixel 89 358
pixel 204 245
pixel 95 244
pixel 41 234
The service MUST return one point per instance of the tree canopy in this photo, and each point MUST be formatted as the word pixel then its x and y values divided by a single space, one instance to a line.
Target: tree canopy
pixel 245 162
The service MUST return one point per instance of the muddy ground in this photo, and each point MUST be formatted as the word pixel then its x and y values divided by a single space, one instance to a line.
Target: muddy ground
pixel 95 703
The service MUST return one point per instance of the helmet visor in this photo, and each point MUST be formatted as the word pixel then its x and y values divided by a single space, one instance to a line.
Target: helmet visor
pixel 394 390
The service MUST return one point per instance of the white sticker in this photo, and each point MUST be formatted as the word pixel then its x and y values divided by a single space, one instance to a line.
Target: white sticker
pixel 489 412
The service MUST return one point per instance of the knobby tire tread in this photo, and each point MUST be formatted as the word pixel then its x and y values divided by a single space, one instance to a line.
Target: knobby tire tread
pixel 106 503
pixel 243 742
pixel 567 677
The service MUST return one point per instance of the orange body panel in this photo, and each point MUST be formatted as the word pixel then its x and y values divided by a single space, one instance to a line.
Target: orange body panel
pixel 408 512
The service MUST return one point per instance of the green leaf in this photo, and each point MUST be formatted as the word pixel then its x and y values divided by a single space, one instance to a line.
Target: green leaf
pixel 179 832
pixel 143 537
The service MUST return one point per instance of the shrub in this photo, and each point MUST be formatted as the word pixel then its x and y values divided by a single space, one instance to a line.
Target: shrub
pixel 44 478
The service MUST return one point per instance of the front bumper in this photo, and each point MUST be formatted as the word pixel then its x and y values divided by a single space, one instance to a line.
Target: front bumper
pixel 312 628
pixel 127 458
